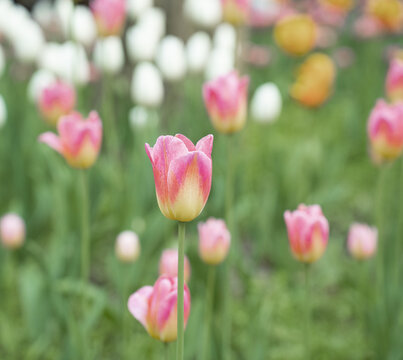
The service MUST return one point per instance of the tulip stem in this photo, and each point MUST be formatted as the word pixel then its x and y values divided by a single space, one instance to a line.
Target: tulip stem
pixel 109 117
pixel 166 351
pixel 85 235
pixel 181 285
pixel 209 311
pixel 307 329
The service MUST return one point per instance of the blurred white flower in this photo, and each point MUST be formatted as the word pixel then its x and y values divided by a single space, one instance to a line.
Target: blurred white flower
pixel 3 112
pixel 266 103
pixel 43 13
pixel 171 58
pixel 147 88
pixel 28 42
pixel 206 13
pixel 225 36
pixel 83 26
pixel 138 117
pixel 197 51
pixel 142 42
pixel 108 54
pixel 127 246
pixel 220 62
pixel 137 7
pixel 2 61
pixel 64 10
pixel 12 19
pixel 39 80
pixel 155 20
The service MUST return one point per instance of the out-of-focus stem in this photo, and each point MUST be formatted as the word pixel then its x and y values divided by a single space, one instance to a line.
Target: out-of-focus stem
pixel 209 311
pixel 181 284
pixel 85 234
pixel 307 330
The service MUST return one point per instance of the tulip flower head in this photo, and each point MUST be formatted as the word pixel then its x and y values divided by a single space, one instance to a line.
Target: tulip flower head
pixel 12 231
pixel 79 139
pixel 214 241
pixel 155 307
pixel 388 12
pixel 182 174
pixel 226 101
pixel 338 5
pixel 362 241
pixel 169 264
pixel 236 12
pixel 308 232
pixel 266 103
pixel 109 16
pixel 385 131
pixel 56 100
pixel 394 80
pixel 127 246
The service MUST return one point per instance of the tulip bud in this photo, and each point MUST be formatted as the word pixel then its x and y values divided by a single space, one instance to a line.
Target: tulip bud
pixel 109 16
pixel 155 307
pixel 56 100
pixel 127 247
pixel 43 13
pixel 362 241
pixel 169 264
pixel 388 12
pixel 308 232
pixel 142 43
pixel 79 139
pixel 12 231
pixel 197 51
pixel 108 54
pixel 135 8
pixel 214 241
pixel 83 26
pixel 171 58
pixel 385 131
pixel 226 102
pixel 296 34
pixel 394 80
pixel 225 37
pixel 236 12
pixel 147 88
pixel 153 19
pixel 182 175
pixel 206 14
pixel 3 112
pixel 28 42
pixel 220 63
pixel 266 103
pixel 40 80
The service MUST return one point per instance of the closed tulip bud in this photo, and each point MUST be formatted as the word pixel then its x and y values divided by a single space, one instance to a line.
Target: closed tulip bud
pixel 154 19
pixel 182 174
pixel 226 102
pixel 214 241
pixel 362 241
pixel 110 16
pixel 206 14
pixel 12 231
pixel 308 232
pixel 296 34
pixel 40 80
pixel 169 264
pixel 171 58
pixel 127 247
pixel 83 26
pixel 155 307
pixel 225 37
pixel 108 54
pixel 220 62
pixel 56 100
pixel 394 80
pixel 28 42
pixel 135 8
pixel 147 88
pixel 385 131
pixel 79 139
pixel 197 51
pixel 44 13
pixel 3 112
pixel 142 43
pixel 138 117
pixel 388 12
pixel 236 12
pixel 266 103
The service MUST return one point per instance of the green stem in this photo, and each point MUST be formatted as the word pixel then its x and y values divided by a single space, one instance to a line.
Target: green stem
pixel 166 351
pixel 181 284
pixel 307 306
pixel 209 311
pixel 109 117
pixel 85 234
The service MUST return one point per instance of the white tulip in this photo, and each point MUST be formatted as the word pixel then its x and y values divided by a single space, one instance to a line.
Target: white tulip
pixel 171 58
pixel 64 11
pixel 220 62
pixel 147 88
pixel 225 36
pixel 83 26
pixel 2 61
pixel 197 51
pixel 266 103
pixel 109 55
pixel 155 20
pixel 206 13
pixel 43 13
pixel 39 81
pixel 142 42
pixel 127 246
pixel 137 7
pixel 138 117
pixel 3 112
pixel 28 42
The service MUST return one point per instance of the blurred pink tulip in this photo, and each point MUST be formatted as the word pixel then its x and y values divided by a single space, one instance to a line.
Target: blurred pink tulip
pixel 109 16
pixel 214 241
pixel 366 27
pixel 362 241
pixel 182 174
pixel 56 100
pixel 308 232
pixel 155 307
pixel 12 231
pixel 169 264
pixel 385 131
pixel 394 80
pixel 226 101
pixel 79 139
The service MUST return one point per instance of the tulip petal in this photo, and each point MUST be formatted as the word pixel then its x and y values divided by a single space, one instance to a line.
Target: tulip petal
pixel 186 141
pixel 52 140
pixel 138 304
pixel 205 145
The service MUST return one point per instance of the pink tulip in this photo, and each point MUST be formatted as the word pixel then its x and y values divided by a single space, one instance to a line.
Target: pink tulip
pixel 155 308
pixel 385 130
pixel 214 241
pixel 79 139
pixel 308 232
pixel 109 16
pixel 56 100
pixel 182 174
pixel 12 231
pixel 226 101
pixel 394 80
pixel 169 264
pixel 362 241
